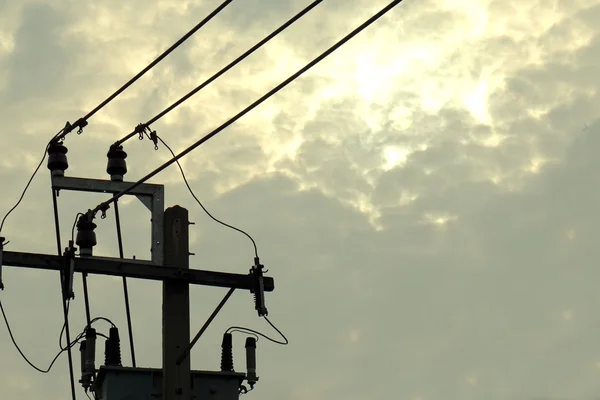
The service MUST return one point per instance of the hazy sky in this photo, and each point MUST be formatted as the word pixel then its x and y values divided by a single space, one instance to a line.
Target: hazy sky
pixel 426 198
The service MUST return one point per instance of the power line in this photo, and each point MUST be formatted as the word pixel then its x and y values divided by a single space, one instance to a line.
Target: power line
pixel 222 71
pixel 104 205
pixel 82 122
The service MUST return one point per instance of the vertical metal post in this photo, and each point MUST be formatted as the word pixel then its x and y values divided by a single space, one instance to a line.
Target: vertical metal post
pixel 157 209
pixel 176 307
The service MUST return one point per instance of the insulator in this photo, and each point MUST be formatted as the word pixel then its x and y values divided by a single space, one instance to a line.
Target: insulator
pixel 86 379
pixel 258 288
pixel 117 166
pixel 107 352
pixel 57 159
pixel 112 351
pixel 251 361
pixel 86 237
pixel 227 353
pixel 90 351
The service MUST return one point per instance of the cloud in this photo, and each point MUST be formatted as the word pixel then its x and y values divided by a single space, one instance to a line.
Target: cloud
pixel 425 199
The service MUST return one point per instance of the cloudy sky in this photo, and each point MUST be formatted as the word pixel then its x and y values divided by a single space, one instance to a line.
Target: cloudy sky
pixel 426 198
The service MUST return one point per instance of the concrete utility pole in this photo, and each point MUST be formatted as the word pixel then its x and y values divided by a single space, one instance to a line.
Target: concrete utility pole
pixel 169 264
pixel 176 307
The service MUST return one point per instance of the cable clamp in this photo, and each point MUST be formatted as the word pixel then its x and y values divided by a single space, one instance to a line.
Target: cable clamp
pixel 140 129
pixel 154 138
pixel 80 123
pixel 103 208
pixel 68 271
pixel 2 243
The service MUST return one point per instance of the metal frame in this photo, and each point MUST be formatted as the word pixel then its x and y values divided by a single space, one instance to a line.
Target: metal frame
pixel 151 195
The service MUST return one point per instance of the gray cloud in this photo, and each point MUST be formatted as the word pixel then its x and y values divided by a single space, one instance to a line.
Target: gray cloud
pixel 465 271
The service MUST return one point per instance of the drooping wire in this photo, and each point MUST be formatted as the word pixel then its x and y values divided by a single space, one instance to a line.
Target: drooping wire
pixel 10 333
pixel 64 300
pixel 262 99
pixel 201 205
pixel 101 319
pixel 26 186
pixel 257 333
pixel 74 225
pixel 83 121
pixel 231 330
pixel 125 288
pixel 225 69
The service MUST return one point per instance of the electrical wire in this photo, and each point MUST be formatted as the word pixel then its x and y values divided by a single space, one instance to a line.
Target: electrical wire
pixel 125 288
pixel 74 225
pixel 24 190
pixel 101 319
pixel 200 203
pixel 83 121
pixel 21 352
pixel 224 69
pixel 253 332
pixel 104 205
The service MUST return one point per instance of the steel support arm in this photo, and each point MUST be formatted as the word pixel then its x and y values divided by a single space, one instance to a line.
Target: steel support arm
pixel 134 269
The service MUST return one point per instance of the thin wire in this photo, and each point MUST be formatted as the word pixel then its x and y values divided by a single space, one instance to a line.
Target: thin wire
pixel 160 58
pixel 62 331
pixel 125 289
pixel 101 319
pixel 276 89
pixel 200 203
pixel 21 352
pixel 74 225
pixel 24 190
pixel 150 66
pixel 226 68
pixel 248 330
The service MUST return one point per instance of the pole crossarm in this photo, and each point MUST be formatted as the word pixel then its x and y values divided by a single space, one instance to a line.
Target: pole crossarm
pixel 102 186
pixel 134 269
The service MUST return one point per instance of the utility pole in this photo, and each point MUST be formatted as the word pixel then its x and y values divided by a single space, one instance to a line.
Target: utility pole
pixel 176 307
pixel 169 264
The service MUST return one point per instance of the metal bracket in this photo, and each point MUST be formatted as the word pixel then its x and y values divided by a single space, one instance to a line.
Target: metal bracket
pixel 1 253
pixel 151 195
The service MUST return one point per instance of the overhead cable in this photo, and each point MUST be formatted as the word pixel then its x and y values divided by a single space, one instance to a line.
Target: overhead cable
pixel 105 205
pixel 221 72
pixel 82 122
